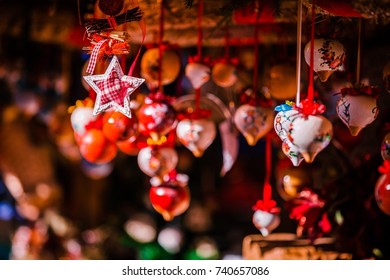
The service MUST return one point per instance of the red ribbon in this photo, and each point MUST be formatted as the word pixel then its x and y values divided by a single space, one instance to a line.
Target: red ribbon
pixel 385 168
pixel 227 60
pixel 361 90
pixel 308 107
pixel 166 46
pixel 268 206
pixel 158 97
pixel 198 59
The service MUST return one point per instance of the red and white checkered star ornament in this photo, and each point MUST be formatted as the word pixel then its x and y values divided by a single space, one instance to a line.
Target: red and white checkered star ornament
pixel 113 89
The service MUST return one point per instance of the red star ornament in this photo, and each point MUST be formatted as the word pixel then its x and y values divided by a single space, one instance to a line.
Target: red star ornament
pixel 113 89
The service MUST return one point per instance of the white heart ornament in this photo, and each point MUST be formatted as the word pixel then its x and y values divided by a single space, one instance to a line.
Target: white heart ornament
pixel 196 135
pixel 357 111
pixel 265 221
pixel 311 134
pixel 198 74
pixel 253 122
pixel 157 162
pixel 292 152
pixel 283 121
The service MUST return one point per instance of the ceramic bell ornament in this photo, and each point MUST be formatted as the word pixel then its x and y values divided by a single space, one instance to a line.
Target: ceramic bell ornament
pixel 224 74
pixel 156 117
pixel 283 119
pixel 157 161
pixel 310 132
pixel 357 107
pixel 170 195
pixel 292 152
pixel 198 74
pixel 254 119
pixel 196 134
pixel 329 56
pixel 170 67
pixel 266 216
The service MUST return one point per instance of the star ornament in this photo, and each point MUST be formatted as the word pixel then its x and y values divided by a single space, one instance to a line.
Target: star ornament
pixel 113 89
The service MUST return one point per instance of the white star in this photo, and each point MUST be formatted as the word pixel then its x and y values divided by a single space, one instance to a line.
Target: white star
pixel 113 89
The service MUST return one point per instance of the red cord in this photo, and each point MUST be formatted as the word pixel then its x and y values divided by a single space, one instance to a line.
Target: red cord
pixel 267 189
pixel 310 94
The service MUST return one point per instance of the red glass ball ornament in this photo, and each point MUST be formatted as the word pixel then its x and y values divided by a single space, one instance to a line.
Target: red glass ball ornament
pixel 382 193
pixel 118 127
pixel 170 199
pixel 156 118
pixel 96 148
pixel 132 146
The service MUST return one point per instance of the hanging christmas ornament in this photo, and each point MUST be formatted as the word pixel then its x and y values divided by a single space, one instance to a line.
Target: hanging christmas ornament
pixel 157 161
pixel 96 148
pixel 111 7
pixel 281 82
pixel 385 147
pixel 118 127
pixel 80 117
pixel 113 88
pixel 382 188
pixel 224 74
pixel 386 76
pixel 309 131
pixel 283 119
pixel 170 196
pixel 198 73
pixel 292 181
pixel 254 118
pixel 132 146
pixel 329 56
pixel 266 216
pixel 156 117
pixel 196 134
pixel 170 66
pixel 357 107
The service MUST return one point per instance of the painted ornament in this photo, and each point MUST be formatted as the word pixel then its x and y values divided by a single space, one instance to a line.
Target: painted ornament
pixel 198 74
pixel 224 74
pixel 329 56
pixel 96 148
pixel 283 121
pixel 385 147
pixel 170 67
pixel 156 118
pixel 356 109
pixel 157 161
pixel 253 122
pixel 170 197
pixel 118 127
pixel 196 134
pixel 265 221
pixel 310 134
pixel 292 152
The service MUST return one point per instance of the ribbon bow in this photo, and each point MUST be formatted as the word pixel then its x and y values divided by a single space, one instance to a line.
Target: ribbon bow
pixel 266 205
pixel 308 107
pixel 197 59
pixel 385 168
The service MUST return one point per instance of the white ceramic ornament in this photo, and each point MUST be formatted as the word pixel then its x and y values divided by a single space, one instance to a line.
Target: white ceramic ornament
pixel 196 135
pixel 265 221
pixel 311 134
pixel 224 74
pixel 329 56
pixel 283 121
pixel 292 152
pixel 253 122
pixel 357 111
pixel 198 74
pixel 157 162
pixel 80 117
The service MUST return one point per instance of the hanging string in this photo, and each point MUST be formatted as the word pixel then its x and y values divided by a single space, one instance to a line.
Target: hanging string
pixel 227 38
pixel 359 50
pixel 200 36
pixel 267 189
pixel 256 66
pixel 310 94
pixel 299 51
pixel 160 47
